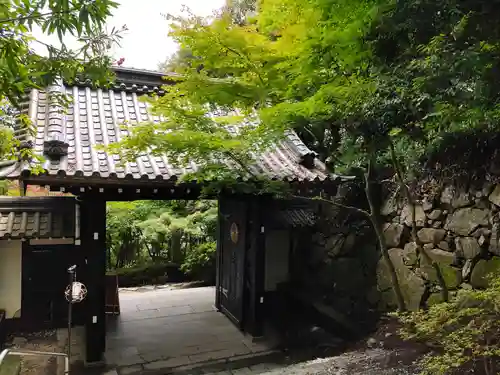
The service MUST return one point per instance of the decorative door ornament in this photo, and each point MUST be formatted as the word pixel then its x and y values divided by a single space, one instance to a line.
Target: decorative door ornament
pixel 234 233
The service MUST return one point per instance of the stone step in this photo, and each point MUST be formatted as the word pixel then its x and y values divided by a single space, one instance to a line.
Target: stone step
pixel 203 366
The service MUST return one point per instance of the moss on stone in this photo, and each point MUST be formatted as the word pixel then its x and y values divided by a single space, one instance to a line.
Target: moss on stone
pixel 452 276
pixel 434 299
pixel 481 271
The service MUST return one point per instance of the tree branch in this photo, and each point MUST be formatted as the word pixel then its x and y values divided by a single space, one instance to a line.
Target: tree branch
pixel 33 16
pixel 244 57
pixel 355 209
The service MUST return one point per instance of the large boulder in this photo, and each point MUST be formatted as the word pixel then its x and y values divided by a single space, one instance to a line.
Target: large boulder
pixel 461 199
pixel 495 239
pixel 456 198
pixel 482 270
pixel 393 233
pixel 406 215
pixel 435 214
pixel 410 255
pixel 431 235
pixel 441 256
pixel 412 285
pixel 468 247
pixel 465 220
pixel 494 197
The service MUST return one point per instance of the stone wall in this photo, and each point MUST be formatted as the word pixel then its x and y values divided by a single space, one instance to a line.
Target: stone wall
pixel 336 260
pixel 460 229
pixel 339 263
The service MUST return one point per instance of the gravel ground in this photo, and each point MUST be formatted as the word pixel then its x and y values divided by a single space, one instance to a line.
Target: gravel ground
pixel 371 361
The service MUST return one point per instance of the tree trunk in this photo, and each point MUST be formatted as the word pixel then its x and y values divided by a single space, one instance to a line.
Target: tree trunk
pixel 377 226
pixel 420 248
pixel 150 250
pixel 108 257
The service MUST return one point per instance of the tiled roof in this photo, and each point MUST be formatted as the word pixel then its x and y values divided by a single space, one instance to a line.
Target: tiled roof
pixel 94 118
pixel 299 217
pixel 37 217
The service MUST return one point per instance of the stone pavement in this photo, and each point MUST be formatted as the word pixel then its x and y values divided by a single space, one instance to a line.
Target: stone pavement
pixel 164 329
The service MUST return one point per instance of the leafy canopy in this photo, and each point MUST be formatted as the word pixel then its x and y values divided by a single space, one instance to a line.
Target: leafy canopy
pixel 351 77
pixel 23 69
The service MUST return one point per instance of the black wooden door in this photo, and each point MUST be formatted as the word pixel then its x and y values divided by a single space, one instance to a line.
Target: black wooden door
pixel 233 217
pixel 45 278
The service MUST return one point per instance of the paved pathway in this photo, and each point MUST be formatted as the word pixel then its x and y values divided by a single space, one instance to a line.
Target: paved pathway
pixel 160 329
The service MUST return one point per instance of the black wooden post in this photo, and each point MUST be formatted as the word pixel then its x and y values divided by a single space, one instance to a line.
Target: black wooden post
pixel 93 236
pixel 218 256
pixel 257 269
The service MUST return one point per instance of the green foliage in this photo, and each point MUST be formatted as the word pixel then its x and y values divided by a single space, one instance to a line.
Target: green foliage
pixel 142 232
pixel 465 331
pixel 122 235
pixel 6 141
pixel 22 69
pixel 200 259
pixel 369 84
pixel 147 274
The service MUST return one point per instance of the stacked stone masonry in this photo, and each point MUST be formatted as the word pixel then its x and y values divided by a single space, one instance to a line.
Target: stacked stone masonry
pixel 459 228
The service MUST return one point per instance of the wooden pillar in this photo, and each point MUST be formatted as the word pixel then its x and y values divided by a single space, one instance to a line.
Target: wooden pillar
pixel 218 257
pixel 257 265
pixel 93 242
pixel 23 186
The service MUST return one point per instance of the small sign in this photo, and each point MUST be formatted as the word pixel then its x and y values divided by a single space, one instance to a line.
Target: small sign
pixel 75 292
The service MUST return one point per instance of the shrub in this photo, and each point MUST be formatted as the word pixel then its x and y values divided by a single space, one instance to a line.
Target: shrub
pixel 148 274
pixel 463 332
pixel 200 261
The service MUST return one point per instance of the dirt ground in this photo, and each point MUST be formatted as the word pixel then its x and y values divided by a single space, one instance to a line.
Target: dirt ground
pixel 381 353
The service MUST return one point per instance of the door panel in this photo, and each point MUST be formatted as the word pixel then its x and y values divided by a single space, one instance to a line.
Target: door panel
pixel 233 217
pixel 45 278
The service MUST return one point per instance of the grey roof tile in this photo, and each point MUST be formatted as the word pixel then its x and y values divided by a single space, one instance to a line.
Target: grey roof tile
pixel 37 217
pixel 94 118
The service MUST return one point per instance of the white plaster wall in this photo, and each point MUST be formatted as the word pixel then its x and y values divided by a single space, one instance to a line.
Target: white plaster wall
pixel 10 276
pixel 277 254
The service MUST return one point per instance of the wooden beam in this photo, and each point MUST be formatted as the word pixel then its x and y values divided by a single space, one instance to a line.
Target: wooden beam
pixel 128 193
pixel 51 241
pixel 126 190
